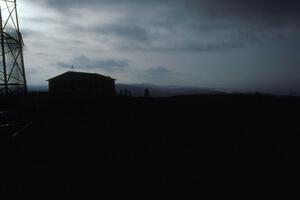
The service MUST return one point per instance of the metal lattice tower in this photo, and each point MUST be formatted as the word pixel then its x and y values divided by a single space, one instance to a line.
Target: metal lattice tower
pixel 12 72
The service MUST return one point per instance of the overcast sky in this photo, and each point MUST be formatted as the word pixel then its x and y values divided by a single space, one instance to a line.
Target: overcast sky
pixel 234 44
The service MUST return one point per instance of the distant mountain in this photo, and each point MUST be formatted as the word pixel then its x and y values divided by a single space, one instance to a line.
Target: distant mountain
pixel 154 90
pixel 38 88
pixel 163 91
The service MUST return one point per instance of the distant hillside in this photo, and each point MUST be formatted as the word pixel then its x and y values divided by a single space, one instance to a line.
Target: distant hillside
pixel 155 90
pixel 38 88
pixel 163 91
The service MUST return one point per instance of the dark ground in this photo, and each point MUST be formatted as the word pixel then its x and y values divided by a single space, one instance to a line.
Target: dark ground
pixel 192 147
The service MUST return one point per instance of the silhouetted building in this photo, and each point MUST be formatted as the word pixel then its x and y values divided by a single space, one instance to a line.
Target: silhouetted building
pixel 82 84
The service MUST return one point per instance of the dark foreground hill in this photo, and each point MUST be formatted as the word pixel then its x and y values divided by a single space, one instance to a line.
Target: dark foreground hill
pixel 188 147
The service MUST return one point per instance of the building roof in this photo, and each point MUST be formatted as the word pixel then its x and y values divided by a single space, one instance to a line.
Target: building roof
pixel 80 76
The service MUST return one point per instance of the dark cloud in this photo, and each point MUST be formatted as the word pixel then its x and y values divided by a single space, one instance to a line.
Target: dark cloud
pixel 158 71
pixel 43 54
pixel 286 8
pixel 176 25
pixel 186 47
pixel 84 62
pixel 156 21
pixel 242 38
pixel 127 31
pixel 160 75
pixel 74 3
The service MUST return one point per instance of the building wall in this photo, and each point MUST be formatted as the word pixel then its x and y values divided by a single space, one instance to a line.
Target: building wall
pixel 82 87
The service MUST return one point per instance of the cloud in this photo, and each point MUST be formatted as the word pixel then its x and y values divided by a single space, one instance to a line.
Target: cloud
pixel 287 8
pixel 28 32
pixel 162 75
pixel 177 26
pixel 127 31
pixel 190 47
pixel 85 63
pixel 222 42
pixel 158 71
pixel 274 8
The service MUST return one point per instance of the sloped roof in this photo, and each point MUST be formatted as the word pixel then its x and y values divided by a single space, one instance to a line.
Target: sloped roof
pixel 79 76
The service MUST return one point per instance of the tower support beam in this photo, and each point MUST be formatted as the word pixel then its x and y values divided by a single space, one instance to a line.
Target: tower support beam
pixel 3 54
pixel 12 70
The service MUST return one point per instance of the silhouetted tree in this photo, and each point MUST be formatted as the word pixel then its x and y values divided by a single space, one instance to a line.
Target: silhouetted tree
pixel 121 93
pixel 146 94
pixel 126 93
pixel 72 68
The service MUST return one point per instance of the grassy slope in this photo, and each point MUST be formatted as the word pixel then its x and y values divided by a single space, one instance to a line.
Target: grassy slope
pixel 210 146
